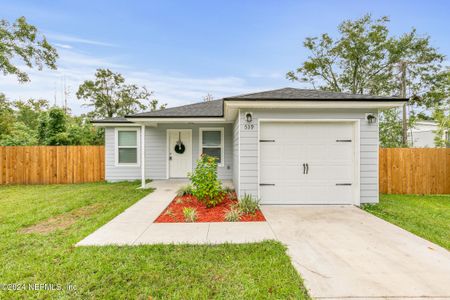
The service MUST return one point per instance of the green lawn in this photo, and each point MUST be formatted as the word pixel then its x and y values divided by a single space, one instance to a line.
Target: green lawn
pixel 37 255
pixel 425 216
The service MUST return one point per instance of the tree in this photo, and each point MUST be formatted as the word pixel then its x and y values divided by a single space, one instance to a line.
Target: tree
pixel 111 97
pixel 53 128
pixel 391 129
pixel 19 135
pixel 29 112
pixel 154 105
pixel 6 115
pixel 366 60
pixel 441 110
pixel 21 40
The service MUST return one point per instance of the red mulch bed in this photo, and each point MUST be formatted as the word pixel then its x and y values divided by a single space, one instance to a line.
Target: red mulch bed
pixel 204 214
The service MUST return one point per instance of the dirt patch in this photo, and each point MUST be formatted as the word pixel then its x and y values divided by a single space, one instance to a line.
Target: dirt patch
pixel 62 221
pixel 174 212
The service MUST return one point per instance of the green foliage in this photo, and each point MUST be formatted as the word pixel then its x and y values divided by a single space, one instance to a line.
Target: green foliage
pixel 34 123
pixel 365 59
pixel 110 96
pixel 19 135
pixel 28 112
pixel 205 184
pixel 21 41
pixel 258 270
pixel 6 115
pixel 233 214
pixel 424 215
pixel 442 134
pixel 184 190
pixel 56 134
pixel 390 129
pixel 248 204
pixel 189 214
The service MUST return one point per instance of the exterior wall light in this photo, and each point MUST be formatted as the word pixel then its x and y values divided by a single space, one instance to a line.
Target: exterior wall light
pixel 371 118
pixel 248 117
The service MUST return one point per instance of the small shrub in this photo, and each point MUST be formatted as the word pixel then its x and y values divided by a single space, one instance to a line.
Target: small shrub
pixel 233 214
pixel 190 214
pixel 184 190
pixel 232 196
pixel 205 184
pixel 248 204
pixel 170 213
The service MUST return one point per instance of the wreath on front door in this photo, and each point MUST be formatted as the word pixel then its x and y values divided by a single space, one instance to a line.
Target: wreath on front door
pixel 179 147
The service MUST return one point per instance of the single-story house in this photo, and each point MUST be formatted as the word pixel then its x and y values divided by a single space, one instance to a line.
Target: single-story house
pixel 284 146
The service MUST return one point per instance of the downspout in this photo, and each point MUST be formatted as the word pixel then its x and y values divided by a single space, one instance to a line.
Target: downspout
pixel 143 156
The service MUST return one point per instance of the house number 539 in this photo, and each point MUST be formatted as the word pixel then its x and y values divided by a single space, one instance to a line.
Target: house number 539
pixel 249 126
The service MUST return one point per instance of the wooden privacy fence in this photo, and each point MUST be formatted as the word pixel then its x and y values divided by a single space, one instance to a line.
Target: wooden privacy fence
pixel 51 164
pixel 414 171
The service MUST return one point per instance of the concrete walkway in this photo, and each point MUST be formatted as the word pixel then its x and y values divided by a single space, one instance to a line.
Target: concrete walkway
pixel 135 225
pixel 343 252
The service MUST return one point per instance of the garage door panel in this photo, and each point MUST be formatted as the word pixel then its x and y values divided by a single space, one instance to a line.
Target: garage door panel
pixel 274 173
pixel 270 152
pixel 328 148
pixel 329 173
pixel 307 195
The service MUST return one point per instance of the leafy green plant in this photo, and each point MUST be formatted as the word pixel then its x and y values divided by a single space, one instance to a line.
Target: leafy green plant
pixel 205 184
pixel 170 213
pixel 233 214
pixel 190 214
pixel 248 204
pixel 184 190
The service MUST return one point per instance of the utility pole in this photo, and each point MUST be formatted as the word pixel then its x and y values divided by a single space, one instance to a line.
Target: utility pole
pixel 66 93
pixel 403 66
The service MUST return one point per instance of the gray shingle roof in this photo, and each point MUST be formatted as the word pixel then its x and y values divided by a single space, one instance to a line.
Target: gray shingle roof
pixel 214 108
pixel 112 120
pixel 207 109
pixel 307 94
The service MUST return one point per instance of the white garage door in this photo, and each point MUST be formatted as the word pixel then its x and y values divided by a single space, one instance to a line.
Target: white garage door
pixel 306 163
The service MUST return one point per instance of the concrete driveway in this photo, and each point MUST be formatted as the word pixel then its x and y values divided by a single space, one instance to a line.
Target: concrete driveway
pixel 344 252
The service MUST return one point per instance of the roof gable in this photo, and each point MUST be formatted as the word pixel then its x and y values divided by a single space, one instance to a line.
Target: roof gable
pixel 204 109
pixel 215 108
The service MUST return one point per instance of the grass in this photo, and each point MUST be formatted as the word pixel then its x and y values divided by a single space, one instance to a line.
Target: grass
pixel 39 226
pixel 426 216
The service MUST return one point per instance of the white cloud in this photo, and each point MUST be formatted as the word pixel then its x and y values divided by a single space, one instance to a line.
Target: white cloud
pixel 75 67
pixel 64 46
pixel 73 39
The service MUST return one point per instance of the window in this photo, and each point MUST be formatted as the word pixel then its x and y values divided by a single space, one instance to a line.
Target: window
pixel 127 147
pixel 211 143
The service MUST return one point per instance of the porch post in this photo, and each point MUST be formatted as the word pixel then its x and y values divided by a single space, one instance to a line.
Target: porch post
pixel 142 156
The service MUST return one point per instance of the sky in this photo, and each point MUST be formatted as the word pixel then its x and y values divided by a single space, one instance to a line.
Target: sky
pixel 184 50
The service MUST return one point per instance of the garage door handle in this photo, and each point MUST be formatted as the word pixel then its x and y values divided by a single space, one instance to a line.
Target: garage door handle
pixel 304 168
pixel 307 168
pixel 267 184
pixel 343 184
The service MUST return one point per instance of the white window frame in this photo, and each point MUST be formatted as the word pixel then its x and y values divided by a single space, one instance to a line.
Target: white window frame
pixel 138 147
pixel 222 142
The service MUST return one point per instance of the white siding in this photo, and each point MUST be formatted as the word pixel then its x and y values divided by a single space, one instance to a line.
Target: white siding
pixel 369 146
pixel 113 172
pixel 156 152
